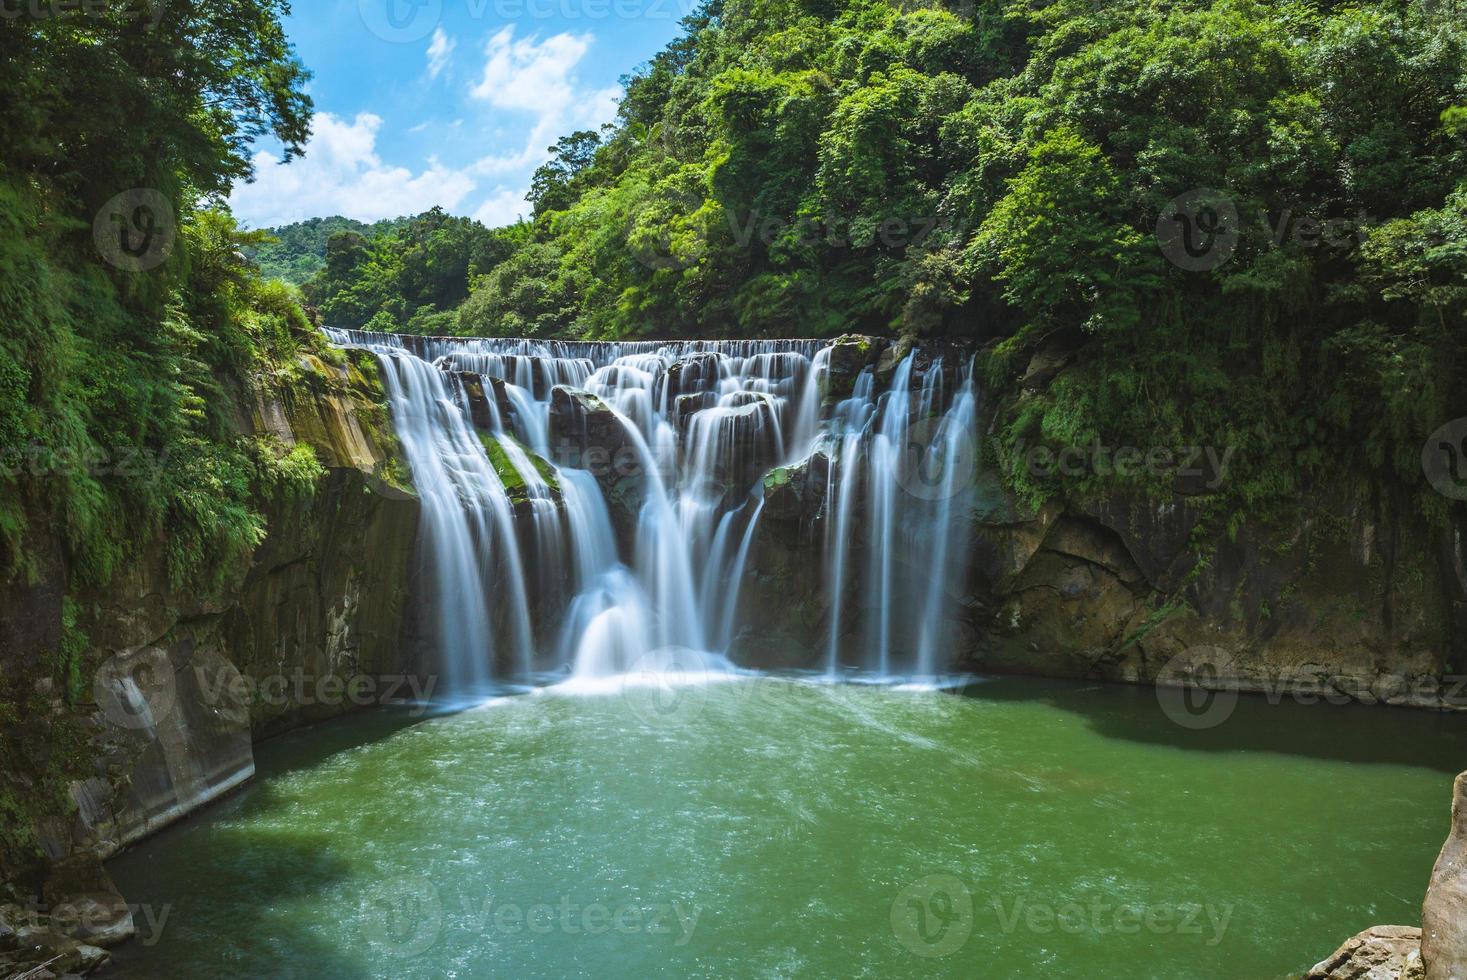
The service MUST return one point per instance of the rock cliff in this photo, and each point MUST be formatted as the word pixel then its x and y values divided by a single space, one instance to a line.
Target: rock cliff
pixel 188 676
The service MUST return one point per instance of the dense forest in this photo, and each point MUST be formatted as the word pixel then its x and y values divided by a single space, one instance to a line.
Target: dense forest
pixel 1243 224
pixel 129 308
pixel 410 276
pixel 993 172
pixel 297 252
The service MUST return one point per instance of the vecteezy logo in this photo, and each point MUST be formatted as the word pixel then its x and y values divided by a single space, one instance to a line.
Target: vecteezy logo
pixel 1444 459
pixel 136 230
pixel 401 21
pixel 402 917
pixel 939 459
pixel 135 690
pixel 933 916
pixel 1198 231
pixel 667 686
pixel 1197 688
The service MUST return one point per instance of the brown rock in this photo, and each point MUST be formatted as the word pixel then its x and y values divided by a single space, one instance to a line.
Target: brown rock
pixel 1444 913
pixel 1378 953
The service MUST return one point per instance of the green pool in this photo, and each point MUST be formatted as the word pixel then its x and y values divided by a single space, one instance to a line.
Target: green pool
pixel 777 828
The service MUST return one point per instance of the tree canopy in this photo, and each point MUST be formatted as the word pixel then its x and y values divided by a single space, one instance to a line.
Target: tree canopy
pixel 123 291
pixel 1039 176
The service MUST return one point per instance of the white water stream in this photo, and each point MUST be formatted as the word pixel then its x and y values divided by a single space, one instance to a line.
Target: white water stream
pixel 531 572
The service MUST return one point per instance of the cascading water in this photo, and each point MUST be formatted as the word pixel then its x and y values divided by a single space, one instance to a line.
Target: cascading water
pixel 590 508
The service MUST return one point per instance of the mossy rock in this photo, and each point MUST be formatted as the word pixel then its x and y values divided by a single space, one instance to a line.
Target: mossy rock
pixel 510 476
pixel 849 356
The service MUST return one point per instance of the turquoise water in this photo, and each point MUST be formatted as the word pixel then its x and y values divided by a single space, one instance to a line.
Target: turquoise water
pixel 774 828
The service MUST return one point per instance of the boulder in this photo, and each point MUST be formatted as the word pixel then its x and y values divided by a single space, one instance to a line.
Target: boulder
pixel 735 442
pixel 1043 368
pixel 849 356
pixel 1378 953
pixel 44 952
pixel 1444 913
pixel 691 374
pixel 487 398
pixel 684 407
pixel 797 493
pixel 891 356
pixel 585 433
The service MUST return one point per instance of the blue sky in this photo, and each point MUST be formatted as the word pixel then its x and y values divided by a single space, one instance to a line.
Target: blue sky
pixel 447 102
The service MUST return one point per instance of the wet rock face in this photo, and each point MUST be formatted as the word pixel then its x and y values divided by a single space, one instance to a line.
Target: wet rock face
pixel 735 442
pixel 684 407
pixel 177 706
pixel 797 493
pixel 585 433
pixel 1110 589
pixel 1444 913
pixel 691 374
pixel 179 679
pixel 849 356
pixel 489 404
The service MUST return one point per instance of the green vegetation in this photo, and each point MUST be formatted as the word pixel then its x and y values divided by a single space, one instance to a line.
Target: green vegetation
pixel 116 412
pixel 298 251
pixel 999 172
pixel 409 278
pixel 130 319
pixel 509 474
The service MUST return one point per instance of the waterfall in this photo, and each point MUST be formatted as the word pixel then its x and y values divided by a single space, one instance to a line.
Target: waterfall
pixel 590 508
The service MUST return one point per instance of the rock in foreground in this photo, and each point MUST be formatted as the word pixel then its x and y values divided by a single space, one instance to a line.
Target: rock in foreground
pixel 1378 953
pixel 1444 913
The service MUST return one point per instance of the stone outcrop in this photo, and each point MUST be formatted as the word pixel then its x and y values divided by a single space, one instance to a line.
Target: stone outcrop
pixel 1378 953
pixel 1356 602
pixel 849 356
pixel 1444 913
pixel 585 433
pixel 488 402
pixel 691 374
pixel 584 430
pixel 1352 596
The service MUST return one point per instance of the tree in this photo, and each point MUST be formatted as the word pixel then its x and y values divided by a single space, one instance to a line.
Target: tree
pixel 552 186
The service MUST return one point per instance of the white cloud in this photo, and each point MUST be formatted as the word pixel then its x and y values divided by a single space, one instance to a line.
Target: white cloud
pixel 504 207
pixel 538 78
pixel 533 89
pixel 341 173
pixel 439 51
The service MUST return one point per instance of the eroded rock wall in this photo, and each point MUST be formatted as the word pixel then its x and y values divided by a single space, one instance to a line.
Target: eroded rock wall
pixel 1352 596
pixel 316 622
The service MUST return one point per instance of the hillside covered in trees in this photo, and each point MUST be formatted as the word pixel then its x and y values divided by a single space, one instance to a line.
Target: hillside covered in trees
pixel 297 252
pixel 1243 223
pixel 128 311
